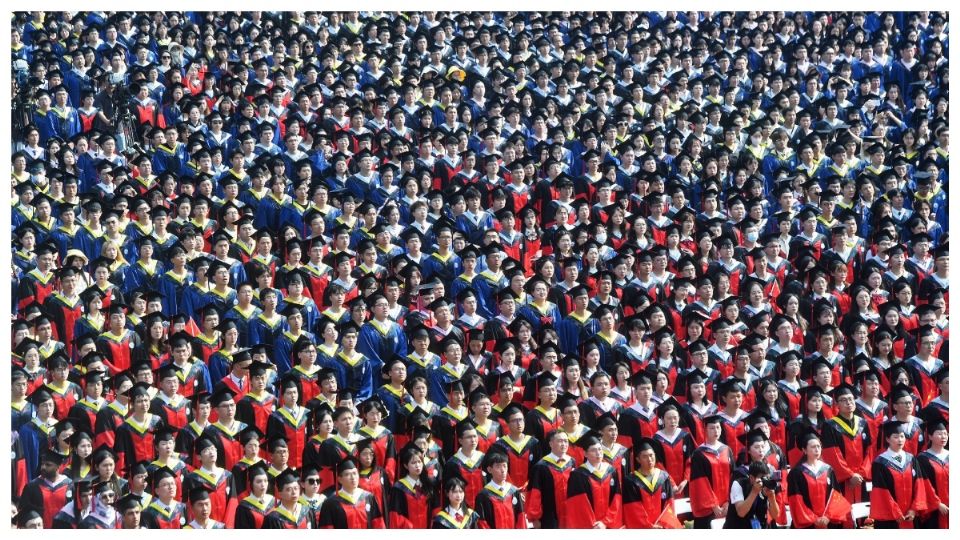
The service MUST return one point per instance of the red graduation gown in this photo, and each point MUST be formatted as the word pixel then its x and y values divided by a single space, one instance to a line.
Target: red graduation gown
pixel 677 453
pixel 500 508
pixel 846 447
pixel 253 411
pixel 340 511
pixel 251 513
pixel 135 441
pixel 710 474
pixel 223 496
pixel 374 481
pixel 896 489
pixel 332 451
pixel 935 480
pixel 155 516
pixel 548 492
pixel 809 493
pixel 117 350
pixel 732 429
pixel 593 497
pixel 469 470
pixel 175 413
pixel 383 448
pixel 410 505
pixel 645 500
pixel 292 426
pixel 229 450
pixel 281 518
pixel 521 456
pixel 45 498
pixel 634 424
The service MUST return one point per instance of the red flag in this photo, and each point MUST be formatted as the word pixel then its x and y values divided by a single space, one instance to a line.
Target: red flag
pixel 838 508
pixel 668 518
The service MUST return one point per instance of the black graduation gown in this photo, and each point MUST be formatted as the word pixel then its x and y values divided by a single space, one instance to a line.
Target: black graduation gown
pixel 46 498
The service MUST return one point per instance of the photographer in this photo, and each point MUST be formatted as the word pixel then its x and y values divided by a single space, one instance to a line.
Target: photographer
pixel 753 503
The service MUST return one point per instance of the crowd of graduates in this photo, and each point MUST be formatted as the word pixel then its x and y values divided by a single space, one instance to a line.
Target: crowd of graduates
pixel 480 270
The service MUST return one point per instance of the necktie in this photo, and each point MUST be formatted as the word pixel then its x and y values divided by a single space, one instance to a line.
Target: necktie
pixel 458 516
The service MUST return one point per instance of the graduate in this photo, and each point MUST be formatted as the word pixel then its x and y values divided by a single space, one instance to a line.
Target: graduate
pixel 191 371
pixel 288 512
pixel 373 479
pixel 224 431
pixel 499 504
pixel 36 435
pixel 813 492
pixel 579 325
pixel 847 445
pixel 544 417
pixel 412 499
pixel 214 480
pixel 290 420
pixel 444 423
pixel 256 407
pixel 117 341
pixel 74 511
pixel 253 508
pixel 306 369
pixel 353 368
pixel 164 511
pixel 48 491
pixel 372 412
pixel 648 492
pixel 898 495
pixel 350 507
pixel 337 447
pixel 640 418
pixel 547 489
pixel 393 393
pixel 935 469
pixel 711 469
pixel 171 407
pixel 380 338
pixel 593 491
pixel 64 392
pixel 201 508
pixel 522 450
pixel 456 514
pixel 677 443
pixel 135 435
pixel 467 461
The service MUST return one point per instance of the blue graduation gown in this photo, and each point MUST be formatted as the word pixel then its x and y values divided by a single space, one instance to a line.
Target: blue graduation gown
pixel 573 332
pixel 381 341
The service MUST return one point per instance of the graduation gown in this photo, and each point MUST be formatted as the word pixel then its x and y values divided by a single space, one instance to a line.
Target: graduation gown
pixel 332 451
pixel 381 342
pixel 359 373
pixel 896 488
pixel 444 426
pixel 117 349
pixel 935 479
pixel 223 493
pixel 46 498
pixel 811 493
pixel 521 456
pixel 443 520
pixel 255 412
pixel 109 418
pixel 229 449
pixel 341 511
pixel 375 482
pixel 135 440
pixel 293 426
pixel 634 423
pixel 500 508
pixel 251 513
pixel 677 453
pixel 411 505
pixel 280 518
pixel 383 448
pixel 593 496
pixel 710 475
pixel 539 422
pixel 646 501
pixel 175 412
pixel 470 470
pixel 157 516
pixel 65 312
pixel 847 449
pixel 547 498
